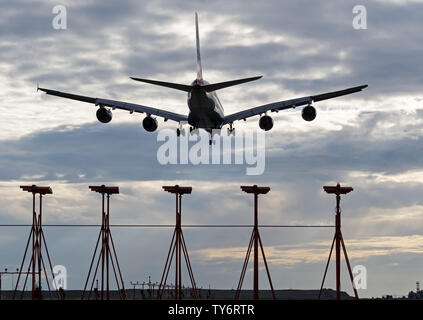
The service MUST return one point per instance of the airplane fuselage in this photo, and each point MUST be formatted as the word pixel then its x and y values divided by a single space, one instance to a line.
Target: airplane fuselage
pixel 206 111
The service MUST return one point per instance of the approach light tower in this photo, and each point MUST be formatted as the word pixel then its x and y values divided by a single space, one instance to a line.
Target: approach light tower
pixel 338 240
pixel 254 241
pixel 107 252
pixel 177 248
pixel 36 240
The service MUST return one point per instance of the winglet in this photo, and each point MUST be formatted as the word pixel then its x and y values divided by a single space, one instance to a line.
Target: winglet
pixel 199 69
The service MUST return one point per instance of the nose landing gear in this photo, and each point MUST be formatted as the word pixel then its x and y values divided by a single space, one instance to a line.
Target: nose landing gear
pixel 180 131
pixel 210 131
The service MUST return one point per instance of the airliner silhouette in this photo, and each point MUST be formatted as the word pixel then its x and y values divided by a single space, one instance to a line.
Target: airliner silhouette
pixel 206 111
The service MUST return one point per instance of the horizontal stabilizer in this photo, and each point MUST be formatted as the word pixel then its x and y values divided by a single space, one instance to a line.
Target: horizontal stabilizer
pixel 208 87
pixel 176 86
pixel 221 85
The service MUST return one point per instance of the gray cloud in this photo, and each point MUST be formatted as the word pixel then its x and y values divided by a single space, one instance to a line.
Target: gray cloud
pixel 375 56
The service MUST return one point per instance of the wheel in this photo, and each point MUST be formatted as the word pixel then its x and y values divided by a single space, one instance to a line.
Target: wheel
pixel 194 131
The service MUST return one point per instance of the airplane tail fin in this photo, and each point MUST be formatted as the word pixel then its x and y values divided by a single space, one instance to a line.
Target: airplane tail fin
pixel 199 69
pixel 208 87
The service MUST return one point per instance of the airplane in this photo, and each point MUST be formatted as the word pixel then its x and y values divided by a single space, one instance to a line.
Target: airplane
pixel 205 110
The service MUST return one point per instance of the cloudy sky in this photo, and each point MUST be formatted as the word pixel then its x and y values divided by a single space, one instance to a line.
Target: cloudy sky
pixel 371 140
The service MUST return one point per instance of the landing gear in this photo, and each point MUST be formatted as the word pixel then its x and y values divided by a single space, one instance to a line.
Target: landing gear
pixel 194 130
pixel 180 131
pixel 231 129
pixel 210 131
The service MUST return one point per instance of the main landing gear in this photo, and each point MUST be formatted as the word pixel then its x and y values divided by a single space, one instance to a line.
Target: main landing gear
pixel 180 131
pixel 231 129
pixel 193 130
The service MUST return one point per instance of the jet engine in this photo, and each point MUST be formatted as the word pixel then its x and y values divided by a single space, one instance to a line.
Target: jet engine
pixel 266 123
pixel 309 113
pixel 104 115
pixel 149 124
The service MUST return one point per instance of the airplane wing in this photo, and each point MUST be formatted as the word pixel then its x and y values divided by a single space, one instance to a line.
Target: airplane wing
pixel 131 107
pixel 287 104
